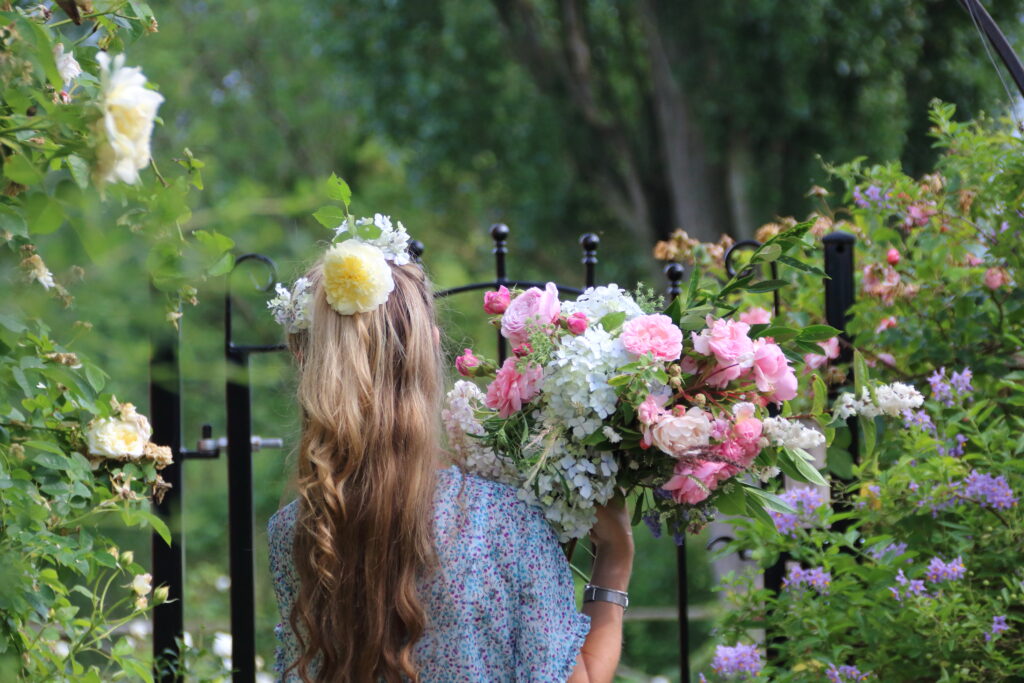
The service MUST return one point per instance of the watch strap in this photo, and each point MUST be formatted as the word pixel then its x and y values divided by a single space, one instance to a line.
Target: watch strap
pixel 593 593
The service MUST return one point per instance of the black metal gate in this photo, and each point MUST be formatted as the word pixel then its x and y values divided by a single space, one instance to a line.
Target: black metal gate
pixel 165 409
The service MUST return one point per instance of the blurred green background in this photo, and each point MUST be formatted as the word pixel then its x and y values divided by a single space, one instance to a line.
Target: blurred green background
pixel 628 119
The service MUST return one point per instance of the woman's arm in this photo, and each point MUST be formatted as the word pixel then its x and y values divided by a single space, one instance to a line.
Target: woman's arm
pixel 612 537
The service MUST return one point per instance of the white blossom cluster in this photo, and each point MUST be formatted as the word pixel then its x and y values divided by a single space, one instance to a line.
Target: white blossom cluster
pixel 290 307
pixel 569 489
pixel 597 302
pixel 783 433
pixel 393 240
pixel 576 381
pixel 463 427
pixel 889 399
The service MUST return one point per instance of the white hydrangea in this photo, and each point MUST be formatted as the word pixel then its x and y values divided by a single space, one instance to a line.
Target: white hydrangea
pixel 783 433
pixel 393 239
pixel 291 307
pixel 889 399
pixel 576 381
pixel 597 302
pixel 462 427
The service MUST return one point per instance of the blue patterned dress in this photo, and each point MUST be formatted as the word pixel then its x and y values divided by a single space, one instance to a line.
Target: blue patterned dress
pixel 501 607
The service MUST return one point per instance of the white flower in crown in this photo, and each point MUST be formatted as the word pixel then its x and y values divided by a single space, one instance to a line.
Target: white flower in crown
pixel 357 277
pixel 290 307
pixel 393 240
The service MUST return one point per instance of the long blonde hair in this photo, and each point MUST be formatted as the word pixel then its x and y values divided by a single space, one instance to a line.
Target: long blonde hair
pixel 369 389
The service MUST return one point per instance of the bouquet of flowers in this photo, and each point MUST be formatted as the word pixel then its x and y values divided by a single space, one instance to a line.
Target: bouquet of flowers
pixel 685 408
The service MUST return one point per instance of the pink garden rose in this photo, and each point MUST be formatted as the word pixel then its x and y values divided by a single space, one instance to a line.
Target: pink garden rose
pixel 886 323
pixel 728 342
pixel 529 310
pixel 995 278
pixel 680 434
pixel 577 323
pixel 495 303
pixel 746 427
pixel 694 481
pixel 831 352
pixel 772 372
pixel 654 334
pixel 756 316
pixel 510 388
pixel 466 363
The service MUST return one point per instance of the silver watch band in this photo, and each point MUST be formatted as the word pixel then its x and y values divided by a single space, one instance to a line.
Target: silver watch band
pixel 592 593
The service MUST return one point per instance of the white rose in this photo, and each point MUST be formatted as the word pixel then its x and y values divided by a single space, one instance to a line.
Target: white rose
pixel 124 130
pixel 119 438
pixel 67 65
pixel 222 644
pixel 676 435
pixel 142 584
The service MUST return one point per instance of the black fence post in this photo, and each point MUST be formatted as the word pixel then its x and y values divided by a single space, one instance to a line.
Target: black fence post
pixel 589 242
pixel 499 233
pixel 167 560
pixel 675 273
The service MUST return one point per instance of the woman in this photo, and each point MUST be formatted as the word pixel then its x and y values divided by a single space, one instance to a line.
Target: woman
pixel 390 567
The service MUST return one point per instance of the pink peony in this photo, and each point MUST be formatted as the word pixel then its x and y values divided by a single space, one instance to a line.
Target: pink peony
pixel 886 323
pixel 995 278
pixel 831 349
pixel 577 322
pixel 510 389
pixel 680 434
pixel 892 256
pixel 756 316
pixel 772 372
pixel 531 309
pixel 654 334
pixel 495 303
pixel 466 363
pixel 694 481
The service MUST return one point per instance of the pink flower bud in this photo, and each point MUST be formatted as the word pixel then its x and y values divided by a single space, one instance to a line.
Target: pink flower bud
pixel 995 278
pixel 893 257
pixel 524 349
pixel 466 363
pixel 577 322
pixel 495 303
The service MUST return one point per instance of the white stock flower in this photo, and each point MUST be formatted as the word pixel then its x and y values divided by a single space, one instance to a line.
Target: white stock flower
pixel 597 302
pixel 124 436
pixel 67 65
pixel 462 427
pixel 889 399
pixel 393 240
pixel 123 131
pixel 612 435
pixel 783 433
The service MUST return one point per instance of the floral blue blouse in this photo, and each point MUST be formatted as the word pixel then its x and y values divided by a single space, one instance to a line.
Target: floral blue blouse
pixel 500 608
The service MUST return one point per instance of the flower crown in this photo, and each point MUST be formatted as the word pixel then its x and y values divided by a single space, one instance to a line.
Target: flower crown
pixel 356 275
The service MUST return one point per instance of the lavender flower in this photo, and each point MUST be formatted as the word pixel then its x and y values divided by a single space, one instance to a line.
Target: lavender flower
pixel 911 587
pixel 941 389
pixel 816 578
pixel 920 419
pixel 956 450
pixel 805 500
pixel 740 659
pixel 987 491
pixel 845 673
pixel 961 381
pixel 998 626
pixel 653 522
pixel 939 571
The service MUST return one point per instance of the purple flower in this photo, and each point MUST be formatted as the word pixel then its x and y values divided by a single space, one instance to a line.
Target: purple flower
pixel 882 554
pixel 653 522
pixel 939 571
pixel 987 491
pixel 805 500
pixel 871 197
pixel 941 389
pixel 738 659
pixel 920 419
pixel 961 381
pixel 998 626
pixel 911 587
pixel 845 673
pixel 816 578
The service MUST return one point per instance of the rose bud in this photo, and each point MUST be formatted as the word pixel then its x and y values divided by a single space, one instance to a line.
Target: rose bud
pixel 495 303
pixel 893 257
pixel 577 323
pixel 524 349
pixel 466 363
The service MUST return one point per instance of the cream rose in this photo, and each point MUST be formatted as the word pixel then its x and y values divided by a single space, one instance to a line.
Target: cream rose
pixel 678 434
pixel 357 277
pixel 142 584
pixel 120 437
pixel 67 65
pixel 126 125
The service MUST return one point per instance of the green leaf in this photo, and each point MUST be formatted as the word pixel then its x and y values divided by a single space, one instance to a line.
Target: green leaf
pixel 817 333
pixel 691 289
pixel 612 321
pixel 820 395
pixel 869 432
pixel 766 253
pixel 769 500
pixel 44 214
pixel 801 266
pixel 839 462
pixel 97 378
pixel 779 333
pixel 674 310
pixel 79 168
pixel 767 286
pixel 329 216
pixel 19 169
pixel 338 190
pixel 13 220
pixel 860 372
pixel 731 501
pixel 214 241
pixel 796 466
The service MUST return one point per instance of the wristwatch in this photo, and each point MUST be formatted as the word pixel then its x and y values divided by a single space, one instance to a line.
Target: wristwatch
pixel 592 593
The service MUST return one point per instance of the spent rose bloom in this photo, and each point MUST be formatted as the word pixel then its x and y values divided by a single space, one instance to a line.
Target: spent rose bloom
pixel 881 281
pixel 577 323
pixel 124 130
pixel 756 316
pixel 680 434
pixel 510 388
pixel 532 308
pixel 692 482
pixel 466 363
pixel 654 334
pixel 995 278
pixel 772 372
pixel 495 303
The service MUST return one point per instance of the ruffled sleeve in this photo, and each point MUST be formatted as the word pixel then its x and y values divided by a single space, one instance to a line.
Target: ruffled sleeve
pixel 549 629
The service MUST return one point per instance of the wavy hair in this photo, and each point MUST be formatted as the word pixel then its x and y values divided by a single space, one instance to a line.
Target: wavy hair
pixel 369 388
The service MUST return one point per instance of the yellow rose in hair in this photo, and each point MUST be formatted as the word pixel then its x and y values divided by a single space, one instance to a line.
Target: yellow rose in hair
pixel 357 277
